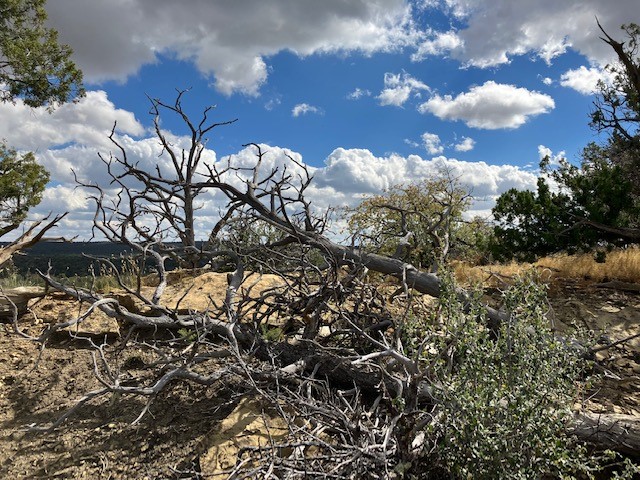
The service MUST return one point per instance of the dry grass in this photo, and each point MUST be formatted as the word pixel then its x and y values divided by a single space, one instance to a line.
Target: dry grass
pixel 622 265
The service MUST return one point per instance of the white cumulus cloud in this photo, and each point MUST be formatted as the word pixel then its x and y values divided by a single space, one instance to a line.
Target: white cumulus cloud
pixel 399 87
pixel 490 106
pixel 303 109
pixel 554 158
pixel 495 31
pixel 358 172
pixel 346 176
pixel 466 145
pixel 438 43
pixel 432 143
pixel 89 121
pixel 585 80
pixel 227 41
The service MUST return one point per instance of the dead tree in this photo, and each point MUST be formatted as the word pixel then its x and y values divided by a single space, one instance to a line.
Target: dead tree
pixel 153 213
pixel 156 208
pixel 365 398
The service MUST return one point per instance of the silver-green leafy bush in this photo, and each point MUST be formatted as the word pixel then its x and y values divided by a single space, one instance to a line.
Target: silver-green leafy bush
pixel 504 397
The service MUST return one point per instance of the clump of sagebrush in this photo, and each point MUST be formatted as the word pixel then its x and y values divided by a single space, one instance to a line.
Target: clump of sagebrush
pixel 503 398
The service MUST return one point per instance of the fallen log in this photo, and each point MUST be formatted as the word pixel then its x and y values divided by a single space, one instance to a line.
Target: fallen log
pixel 609 430
pixel 421 281
pixel 17 299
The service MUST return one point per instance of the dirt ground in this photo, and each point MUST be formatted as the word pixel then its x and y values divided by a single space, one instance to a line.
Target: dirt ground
pixel 604 316
pixel 99 442
pixel 185 421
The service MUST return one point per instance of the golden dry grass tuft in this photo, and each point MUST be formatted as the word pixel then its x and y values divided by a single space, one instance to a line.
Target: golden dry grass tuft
pixel 621 265
pixel 487 275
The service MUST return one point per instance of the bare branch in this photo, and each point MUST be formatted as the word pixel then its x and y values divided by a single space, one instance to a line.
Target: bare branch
pixel 34 234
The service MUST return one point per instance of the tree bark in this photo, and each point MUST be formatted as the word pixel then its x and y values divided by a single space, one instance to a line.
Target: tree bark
pixel 15 300
pixel 609 430
pixel 28 238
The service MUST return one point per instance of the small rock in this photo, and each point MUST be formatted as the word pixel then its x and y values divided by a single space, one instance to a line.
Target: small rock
pixel 610 309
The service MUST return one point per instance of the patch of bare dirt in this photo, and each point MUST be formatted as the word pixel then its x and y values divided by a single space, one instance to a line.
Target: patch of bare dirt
pixel 612 315
pixel 209 289
pixel 192 431
pixel 99 442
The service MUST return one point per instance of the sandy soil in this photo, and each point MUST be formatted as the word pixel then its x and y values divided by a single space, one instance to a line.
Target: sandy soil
pixel 185 430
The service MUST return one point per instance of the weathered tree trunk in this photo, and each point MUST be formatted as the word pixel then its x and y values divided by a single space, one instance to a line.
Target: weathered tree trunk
pixel 609 430
pixel 14 301
pixel 423 282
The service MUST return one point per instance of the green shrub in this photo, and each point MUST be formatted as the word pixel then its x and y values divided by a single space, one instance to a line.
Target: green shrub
pixel 272 334
pixel 504 398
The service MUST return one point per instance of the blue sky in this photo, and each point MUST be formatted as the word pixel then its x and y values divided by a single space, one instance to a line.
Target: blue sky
pixel 340 118
pixel 368 93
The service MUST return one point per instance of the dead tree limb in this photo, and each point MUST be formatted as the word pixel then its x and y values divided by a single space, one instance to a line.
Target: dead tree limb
pixel 609 430
pixel 15 300
pixel 160 318
pixel 34 234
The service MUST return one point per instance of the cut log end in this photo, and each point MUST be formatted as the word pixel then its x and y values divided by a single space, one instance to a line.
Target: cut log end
pixel 17 298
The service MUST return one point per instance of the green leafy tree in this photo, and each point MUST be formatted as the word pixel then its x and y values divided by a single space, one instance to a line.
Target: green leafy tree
pixel 592 205
pixel 615 166
pixel 37 69
pixel 415 222
pixel 530 224
pixel 598 202
pixel 33 65
pixel 22 181
pixel 601 188
pixel 617 107
pixel 474 240
pixel 617 112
